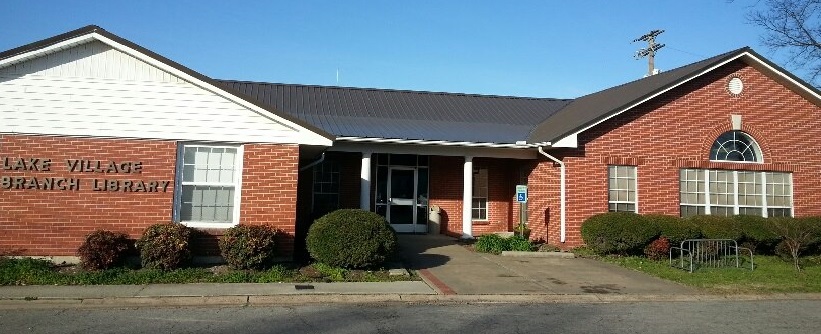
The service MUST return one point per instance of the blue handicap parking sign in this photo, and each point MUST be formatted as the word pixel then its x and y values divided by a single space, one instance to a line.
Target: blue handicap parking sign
pixel 521 193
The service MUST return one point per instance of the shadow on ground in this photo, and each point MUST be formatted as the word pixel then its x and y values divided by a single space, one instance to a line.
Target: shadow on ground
pixel 423 251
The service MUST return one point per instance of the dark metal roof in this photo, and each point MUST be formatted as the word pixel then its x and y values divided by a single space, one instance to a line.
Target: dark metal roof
pixel 96 29
pixel 590 109
pixel 398 114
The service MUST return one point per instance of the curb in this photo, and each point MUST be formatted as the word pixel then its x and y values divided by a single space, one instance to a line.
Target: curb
pixel 254 300
pixel 558 255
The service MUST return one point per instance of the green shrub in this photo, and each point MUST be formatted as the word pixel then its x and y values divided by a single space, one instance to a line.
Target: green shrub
pixel 165 246
pixel 248 247
pixel 658 249
pixel 519 244
pixel 491 243
pixel 718 227
pixel 675 229
pixel 351 238
pixel 618 233
pixel 758 235
pixel 496 244
pixel 103 249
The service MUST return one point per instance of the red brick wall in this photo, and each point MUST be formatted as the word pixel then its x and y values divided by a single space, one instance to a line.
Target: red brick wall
pixel 269 189
pixel 446 192
pixel 675 131
pixel 54 222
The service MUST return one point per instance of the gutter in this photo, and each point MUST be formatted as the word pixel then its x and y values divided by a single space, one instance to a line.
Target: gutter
pixel 317 162
pixel 562 191
pixel 518 145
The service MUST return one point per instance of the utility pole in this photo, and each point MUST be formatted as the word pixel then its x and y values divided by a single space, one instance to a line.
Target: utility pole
pixel 650 50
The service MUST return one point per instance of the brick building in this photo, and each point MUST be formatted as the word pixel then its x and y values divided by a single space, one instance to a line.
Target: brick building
pixel 97 132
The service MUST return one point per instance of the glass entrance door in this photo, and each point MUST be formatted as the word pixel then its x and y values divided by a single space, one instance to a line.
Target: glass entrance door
pixel 403 192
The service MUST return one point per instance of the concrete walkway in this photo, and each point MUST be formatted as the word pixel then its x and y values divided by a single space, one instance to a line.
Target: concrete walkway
pixel 453 269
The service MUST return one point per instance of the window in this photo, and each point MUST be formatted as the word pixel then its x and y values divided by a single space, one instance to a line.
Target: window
pixel 326 188
pixel 479 194
pixel 622 188
pixel 727 193
pixel 209 182
pixel 735 146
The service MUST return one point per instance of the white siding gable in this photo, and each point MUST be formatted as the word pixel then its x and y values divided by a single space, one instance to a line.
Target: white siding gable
pixel 93 89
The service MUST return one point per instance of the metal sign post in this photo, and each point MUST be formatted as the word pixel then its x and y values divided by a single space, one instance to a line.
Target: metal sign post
pixel 521 198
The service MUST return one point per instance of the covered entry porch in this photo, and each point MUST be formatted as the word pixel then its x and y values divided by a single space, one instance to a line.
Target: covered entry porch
pixel 469 189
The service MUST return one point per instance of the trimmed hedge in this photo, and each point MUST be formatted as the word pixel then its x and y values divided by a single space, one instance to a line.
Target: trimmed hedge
pixel 618 233
pixel 351 238
pixel 718 227
pixel 165 246
pixel 103 249
pixel 758 235
pixel 248 247
pixel 629 233
pixel 675 229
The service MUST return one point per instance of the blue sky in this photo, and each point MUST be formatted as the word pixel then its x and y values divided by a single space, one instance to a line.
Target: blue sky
pixel 543 48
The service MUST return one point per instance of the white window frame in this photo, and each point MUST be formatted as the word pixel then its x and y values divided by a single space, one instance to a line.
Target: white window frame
pixel 237 184
pixel 612 172
pixel 756 149
pixel 736 206
pixel 475 196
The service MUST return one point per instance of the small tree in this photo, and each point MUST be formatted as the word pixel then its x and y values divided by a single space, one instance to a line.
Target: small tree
pixel 796 234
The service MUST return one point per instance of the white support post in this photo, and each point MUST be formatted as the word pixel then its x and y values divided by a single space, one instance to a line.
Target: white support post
pixel 365 182
pixel 467 200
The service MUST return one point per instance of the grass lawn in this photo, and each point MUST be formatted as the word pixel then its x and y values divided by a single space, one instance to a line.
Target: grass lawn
pixel 40 272
pixel 771 275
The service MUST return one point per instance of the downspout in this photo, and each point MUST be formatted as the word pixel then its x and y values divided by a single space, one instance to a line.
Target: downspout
pixel 317 162
pixel 562 192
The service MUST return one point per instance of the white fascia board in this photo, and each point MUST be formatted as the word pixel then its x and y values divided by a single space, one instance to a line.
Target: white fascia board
pixel 440 150
pixel 783 75
pixel 571 141
pixel 744 54
pixel 431 142
pixel 46 50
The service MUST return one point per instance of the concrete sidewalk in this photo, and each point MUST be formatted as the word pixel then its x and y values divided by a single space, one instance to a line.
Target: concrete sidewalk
pixel 451 268
pixel 213 290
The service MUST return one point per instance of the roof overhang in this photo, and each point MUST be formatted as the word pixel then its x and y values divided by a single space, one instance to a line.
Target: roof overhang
pixel 435 147
pixel 520 145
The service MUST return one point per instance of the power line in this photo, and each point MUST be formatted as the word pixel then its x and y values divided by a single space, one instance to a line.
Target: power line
pixel 689 53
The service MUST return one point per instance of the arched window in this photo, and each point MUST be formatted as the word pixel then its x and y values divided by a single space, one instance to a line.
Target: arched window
pixel 735 146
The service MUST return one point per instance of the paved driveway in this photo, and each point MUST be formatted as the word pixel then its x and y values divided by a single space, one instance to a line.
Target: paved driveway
pixel 454 269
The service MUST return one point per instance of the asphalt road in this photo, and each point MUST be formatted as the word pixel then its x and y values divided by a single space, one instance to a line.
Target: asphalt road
pixel 644 317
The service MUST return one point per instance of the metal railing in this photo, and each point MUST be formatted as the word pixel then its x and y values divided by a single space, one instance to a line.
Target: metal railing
pixel 709 253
